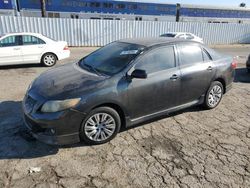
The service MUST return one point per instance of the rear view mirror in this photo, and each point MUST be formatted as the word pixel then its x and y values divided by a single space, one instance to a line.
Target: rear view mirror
pixel 138 73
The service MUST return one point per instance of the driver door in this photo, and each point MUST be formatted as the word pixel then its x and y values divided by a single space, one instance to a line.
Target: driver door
pixel 159 91
pixel 10 51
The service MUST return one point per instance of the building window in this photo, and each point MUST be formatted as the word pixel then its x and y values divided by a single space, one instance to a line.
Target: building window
pixel 138 18
pixel 53 15
pixel 132 6
pixel 74 16
pixel 107 5
pixel 143 7
pixel 95 4
pixel 120 6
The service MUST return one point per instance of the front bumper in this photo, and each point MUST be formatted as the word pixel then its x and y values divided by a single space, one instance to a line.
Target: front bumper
pixel 57 128
pixel 46 137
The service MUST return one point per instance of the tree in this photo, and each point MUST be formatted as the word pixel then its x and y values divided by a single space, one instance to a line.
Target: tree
pixel 242 5
pixel 43 8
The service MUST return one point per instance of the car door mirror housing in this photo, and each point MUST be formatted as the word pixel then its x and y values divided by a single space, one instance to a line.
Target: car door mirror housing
pixel 138 73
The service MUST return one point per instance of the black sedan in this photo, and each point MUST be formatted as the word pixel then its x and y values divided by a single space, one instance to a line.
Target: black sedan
pixel 122 84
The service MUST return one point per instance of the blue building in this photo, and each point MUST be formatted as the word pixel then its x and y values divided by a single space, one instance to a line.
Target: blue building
pixel 128 10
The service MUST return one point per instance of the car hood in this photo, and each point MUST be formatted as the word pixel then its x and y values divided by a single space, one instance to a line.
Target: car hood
pixel 66 81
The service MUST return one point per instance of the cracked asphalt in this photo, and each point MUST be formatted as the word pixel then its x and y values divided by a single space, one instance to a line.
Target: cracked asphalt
pixel 191 148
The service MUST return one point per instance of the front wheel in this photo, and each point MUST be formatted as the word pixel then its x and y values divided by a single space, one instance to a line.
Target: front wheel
pixel 100 126
pixel 49 59
pixel 214 95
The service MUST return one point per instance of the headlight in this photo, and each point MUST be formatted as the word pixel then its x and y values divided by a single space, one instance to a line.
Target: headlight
pixel 59 105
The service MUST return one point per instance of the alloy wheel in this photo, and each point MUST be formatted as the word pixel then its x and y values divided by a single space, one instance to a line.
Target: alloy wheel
pixel 100 127
pixel 49 60
pixel 214 96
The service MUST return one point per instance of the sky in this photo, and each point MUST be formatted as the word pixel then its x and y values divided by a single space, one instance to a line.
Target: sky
pixel 234 3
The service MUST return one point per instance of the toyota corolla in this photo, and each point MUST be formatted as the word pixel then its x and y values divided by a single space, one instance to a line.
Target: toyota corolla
pixel 122 84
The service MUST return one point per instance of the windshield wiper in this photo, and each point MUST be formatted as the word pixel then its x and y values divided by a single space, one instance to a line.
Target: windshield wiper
pixel 92 69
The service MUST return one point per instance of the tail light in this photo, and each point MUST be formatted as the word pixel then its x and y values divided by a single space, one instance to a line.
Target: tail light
pixel 66 47
pixel 234 64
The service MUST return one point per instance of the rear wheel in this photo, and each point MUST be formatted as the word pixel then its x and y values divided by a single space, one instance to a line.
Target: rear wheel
pixel 100 126
pixel 49 59
pixel 214 95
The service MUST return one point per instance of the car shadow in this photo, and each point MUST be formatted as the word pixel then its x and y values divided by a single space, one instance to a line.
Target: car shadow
pixel 6 67
pixel 241 75
pixel 15 140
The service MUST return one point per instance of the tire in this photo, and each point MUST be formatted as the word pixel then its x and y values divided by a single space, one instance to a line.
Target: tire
pixel 49 59
pixel 90 128
pixel 214 95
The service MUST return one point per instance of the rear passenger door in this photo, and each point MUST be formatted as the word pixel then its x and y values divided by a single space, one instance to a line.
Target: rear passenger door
pixel 197 71
pixel 32 48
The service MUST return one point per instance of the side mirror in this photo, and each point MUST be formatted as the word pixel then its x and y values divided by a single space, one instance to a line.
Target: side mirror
pixel 138 73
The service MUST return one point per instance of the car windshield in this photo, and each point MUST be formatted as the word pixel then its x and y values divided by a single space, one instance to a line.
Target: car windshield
pixel 112 58
pixel 169 35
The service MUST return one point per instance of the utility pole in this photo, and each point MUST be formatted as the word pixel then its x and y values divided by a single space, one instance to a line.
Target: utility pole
pixel 43 8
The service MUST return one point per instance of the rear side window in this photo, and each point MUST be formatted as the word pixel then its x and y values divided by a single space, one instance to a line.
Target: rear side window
pixel 182 36
pixel 31 40
pixel 9 41
pixel 190 54
pixel 157 60
pixel 188 36
pixel 214 55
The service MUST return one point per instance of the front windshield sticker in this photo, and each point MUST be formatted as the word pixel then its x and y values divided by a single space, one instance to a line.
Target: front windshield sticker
pixel 129 52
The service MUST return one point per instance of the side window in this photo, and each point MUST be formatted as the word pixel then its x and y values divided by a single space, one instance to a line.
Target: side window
pixel 189 36
pixel 182 36
pixel 206 56
pixel 9 41
pixel 31 40
pixel 157 60
pixel 190 54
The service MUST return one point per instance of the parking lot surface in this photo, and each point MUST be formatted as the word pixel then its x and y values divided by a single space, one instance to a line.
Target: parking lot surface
pixel 192 148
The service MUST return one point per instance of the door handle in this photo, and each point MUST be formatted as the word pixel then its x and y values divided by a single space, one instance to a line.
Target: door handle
pixel 210 68
pixel 16 48
pixel 40 46
pixel 174 77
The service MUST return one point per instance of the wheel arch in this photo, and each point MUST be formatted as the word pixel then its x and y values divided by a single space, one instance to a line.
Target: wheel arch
pixel 117 108
pixel 223 82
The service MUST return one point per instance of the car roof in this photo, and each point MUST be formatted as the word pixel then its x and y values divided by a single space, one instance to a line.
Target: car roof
pixel 22 33
pixel 149 42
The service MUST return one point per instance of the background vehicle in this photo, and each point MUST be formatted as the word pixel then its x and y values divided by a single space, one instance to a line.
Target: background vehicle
pixel 127 10
pixel 181 35
pixel 24 48
pixel 122 84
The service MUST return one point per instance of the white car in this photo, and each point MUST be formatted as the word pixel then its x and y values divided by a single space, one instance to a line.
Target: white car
pixel 181 35
pixel 24 48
